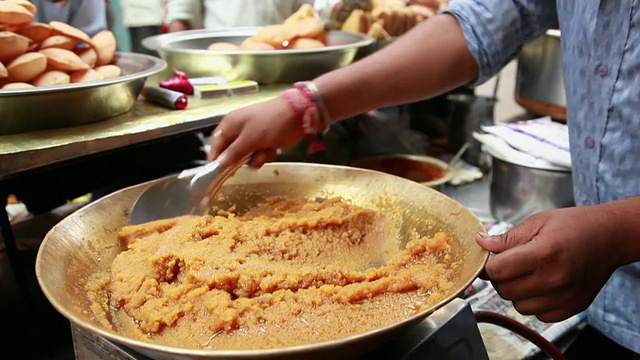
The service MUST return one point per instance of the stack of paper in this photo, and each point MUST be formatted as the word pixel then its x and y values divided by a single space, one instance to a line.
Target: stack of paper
pixel 540 143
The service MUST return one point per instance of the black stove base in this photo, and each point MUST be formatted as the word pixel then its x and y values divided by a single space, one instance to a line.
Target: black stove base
pixel 450 333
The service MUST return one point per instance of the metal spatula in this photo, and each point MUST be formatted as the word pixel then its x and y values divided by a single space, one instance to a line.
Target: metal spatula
pixel 187 193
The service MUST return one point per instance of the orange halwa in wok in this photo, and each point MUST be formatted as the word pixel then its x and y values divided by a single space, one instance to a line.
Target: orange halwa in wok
pixel 286 273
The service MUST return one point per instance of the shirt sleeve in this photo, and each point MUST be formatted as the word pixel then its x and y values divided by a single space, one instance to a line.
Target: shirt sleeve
pixel 495 30
pixel 90 16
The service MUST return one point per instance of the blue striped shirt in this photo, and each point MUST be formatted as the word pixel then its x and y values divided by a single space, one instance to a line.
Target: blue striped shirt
pixel 89 16
pixel 601 65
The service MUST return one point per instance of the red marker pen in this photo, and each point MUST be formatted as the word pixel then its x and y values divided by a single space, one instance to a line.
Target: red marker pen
pixel 165 97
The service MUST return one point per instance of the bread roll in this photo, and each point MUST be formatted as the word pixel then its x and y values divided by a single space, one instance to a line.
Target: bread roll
pixel 305 11
pixel 223 46
pixel 276 35
pixel 307 28
pixel 36 31
pixel 85 75
pixel 12 13
pixel 104 43
pixel 304 43
pixel 253 44
pixel 356 22
pixel 62 59
pixel 12 45
pixel 377 31
pixel 109 71
pixel 27 5
pixel 60 28
pixel 26 67
pixel 88 55
pixel 59 42
pixel 3 71
pixel 17 85
pixel 48 78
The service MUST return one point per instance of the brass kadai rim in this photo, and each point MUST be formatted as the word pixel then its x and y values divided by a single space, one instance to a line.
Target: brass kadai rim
pixel 72 233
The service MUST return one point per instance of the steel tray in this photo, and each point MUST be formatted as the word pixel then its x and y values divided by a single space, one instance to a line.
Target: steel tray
pixel 187 51
pixel 48 107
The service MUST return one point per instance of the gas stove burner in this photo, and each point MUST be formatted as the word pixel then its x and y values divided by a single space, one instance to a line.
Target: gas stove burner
pixel 450 333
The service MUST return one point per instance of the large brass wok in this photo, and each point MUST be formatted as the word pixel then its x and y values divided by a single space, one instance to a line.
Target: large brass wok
pixel 86 242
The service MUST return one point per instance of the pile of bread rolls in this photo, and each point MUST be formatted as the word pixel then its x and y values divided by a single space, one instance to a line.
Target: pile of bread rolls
pixel 302 30
pixel 384 19
pixel 35 54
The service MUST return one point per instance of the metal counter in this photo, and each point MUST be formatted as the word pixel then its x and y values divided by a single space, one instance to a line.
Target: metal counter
pixel 147 121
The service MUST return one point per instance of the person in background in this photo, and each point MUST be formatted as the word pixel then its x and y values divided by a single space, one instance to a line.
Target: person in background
pixel 217 14
pixel 89 16
pixel 555 263
pixel 142 18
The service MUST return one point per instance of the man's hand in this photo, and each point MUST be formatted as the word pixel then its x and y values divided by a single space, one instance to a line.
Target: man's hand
pixel 259 129
pixel 178 25
pixel 554 263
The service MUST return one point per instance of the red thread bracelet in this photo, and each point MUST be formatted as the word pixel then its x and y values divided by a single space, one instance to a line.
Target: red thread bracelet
pixel 304 104
pixel 293 98
pixel 318 118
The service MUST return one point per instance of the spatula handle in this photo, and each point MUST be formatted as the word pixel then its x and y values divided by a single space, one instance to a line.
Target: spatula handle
pixel 210 178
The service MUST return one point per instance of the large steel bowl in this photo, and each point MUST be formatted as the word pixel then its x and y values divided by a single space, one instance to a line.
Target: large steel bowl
pixel 48 107
pixel 187 51
pixel 85 243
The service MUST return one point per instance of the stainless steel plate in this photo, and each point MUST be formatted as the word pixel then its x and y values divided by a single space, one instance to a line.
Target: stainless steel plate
pixel 48 107
pixel 187 51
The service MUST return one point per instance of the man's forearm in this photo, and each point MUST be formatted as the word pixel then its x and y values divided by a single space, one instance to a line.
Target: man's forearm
pixel 429 60
pixel 621 221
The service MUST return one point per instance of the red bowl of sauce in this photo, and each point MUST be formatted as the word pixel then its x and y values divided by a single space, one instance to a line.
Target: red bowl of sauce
pixel 421 169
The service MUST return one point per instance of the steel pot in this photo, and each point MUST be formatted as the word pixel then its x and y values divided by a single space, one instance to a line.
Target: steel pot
pixel 539 83
pixel 518 191
pixel 469 113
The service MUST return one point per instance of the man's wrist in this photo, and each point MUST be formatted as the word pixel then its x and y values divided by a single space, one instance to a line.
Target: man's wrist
pixel 620 218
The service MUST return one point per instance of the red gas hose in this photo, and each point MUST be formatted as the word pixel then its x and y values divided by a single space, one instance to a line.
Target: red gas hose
pixel 517 328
